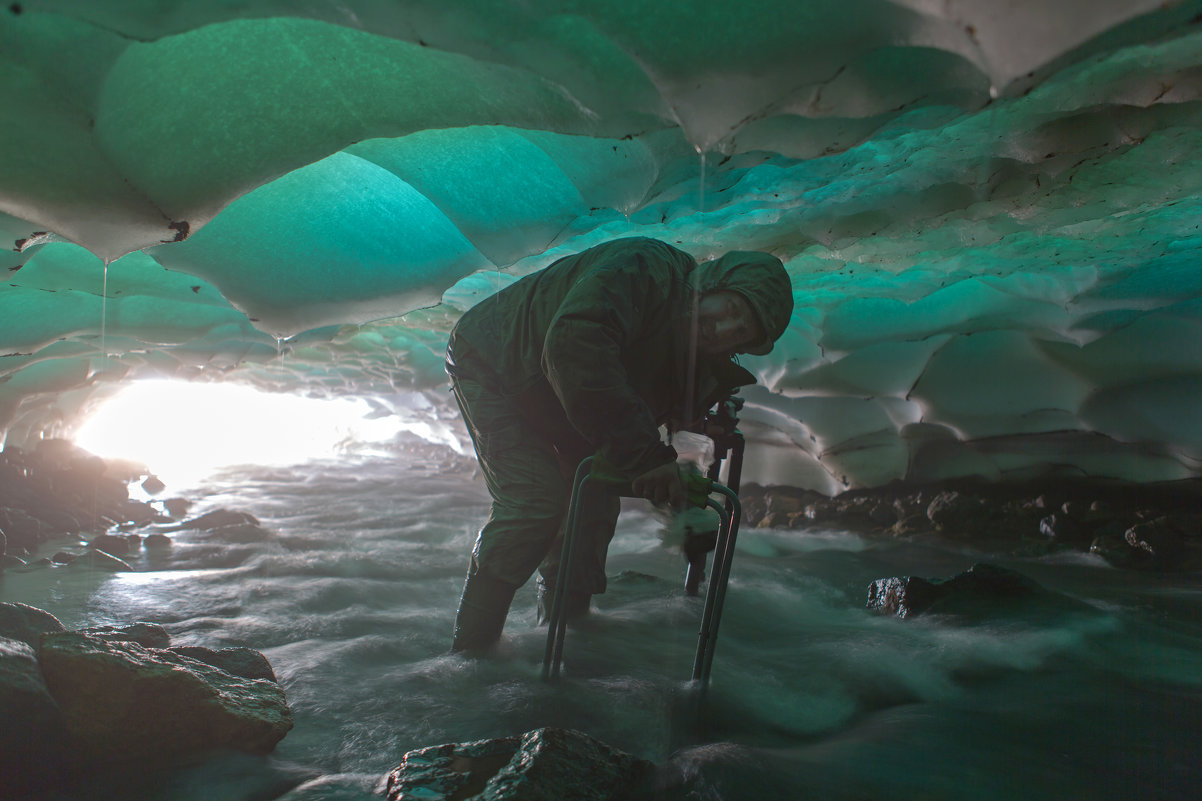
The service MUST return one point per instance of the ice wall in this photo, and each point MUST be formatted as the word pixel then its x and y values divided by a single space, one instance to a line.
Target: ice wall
pixel 990 211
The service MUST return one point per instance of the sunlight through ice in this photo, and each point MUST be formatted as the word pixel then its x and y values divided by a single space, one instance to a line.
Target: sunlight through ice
pixel 184 431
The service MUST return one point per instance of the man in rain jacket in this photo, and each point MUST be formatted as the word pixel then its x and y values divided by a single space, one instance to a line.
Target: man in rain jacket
pixel 590 356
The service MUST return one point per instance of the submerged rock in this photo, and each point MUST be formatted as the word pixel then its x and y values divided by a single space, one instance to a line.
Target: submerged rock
pixel 543 765
pixel 983 590
pixel 124 703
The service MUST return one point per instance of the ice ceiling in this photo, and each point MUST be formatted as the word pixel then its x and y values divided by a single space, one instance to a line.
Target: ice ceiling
pixel 991 209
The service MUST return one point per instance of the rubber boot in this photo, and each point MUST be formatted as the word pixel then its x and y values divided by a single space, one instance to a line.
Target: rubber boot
pixel 483 608
pixel 576 604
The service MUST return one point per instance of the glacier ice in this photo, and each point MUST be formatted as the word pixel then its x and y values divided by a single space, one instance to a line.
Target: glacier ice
pixel 992 215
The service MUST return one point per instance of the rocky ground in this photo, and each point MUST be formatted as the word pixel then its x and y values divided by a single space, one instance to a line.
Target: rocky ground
pixel 112 695
pixel 1141 527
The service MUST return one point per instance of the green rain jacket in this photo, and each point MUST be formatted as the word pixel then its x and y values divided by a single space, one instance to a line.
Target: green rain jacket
pixel 601 341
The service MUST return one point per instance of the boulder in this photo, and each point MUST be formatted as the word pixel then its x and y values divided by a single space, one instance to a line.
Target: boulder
pixel 26 623
pixel 245 662
pixel 542 765
pixel 147 635
pixel 112 544
pixel 123 703
pixel 219 518
pixel 983 590
pixel 31 751
pixel 22 530
pixel 99 560
pixel 1159 543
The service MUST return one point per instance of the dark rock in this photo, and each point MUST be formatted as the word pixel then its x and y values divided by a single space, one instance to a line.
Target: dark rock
pixel 544 765
pixel 147 635
pixel 99 560
pixel 1160 542
pixel 1062 528
pixel 954 512
pixel 177 507
pixel 22 530
pixel 983 590
pixel 8 560
pixel 26 623
pixel 63 558
pixel 219 518
pixel 32 736
pixel 123 703
pixel 156 541
pixel 153 485
pixel 241 533
pixel 245 662
pixel 112 544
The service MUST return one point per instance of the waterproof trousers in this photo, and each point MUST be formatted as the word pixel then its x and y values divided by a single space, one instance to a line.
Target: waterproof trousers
pixel 528 456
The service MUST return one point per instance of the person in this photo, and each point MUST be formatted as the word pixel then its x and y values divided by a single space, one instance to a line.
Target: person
pixel 591 355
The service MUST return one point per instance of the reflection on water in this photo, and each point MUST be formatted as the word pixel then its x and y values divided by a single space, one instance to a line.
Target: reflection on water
pixel 812 695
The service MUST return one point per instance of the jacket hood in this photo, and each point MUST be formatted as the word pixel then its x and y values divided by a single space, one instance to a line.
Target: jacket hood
pixel 762 280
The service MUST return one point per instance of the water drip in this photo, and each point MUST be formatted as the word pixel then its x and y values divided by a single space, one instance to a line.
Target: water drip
pixel 701 181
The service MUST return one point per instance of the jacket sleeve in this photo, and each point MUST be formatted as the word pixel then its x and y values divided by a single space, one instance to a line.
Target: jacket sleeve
pixel 607 312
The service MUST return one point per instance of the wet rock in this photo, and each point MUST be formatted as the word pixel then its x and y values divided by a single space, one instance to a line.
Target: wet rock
pixel 99 560
pixel 177 507
pixel 981 591
pixel 123 703
pixel 64 558
pixel 543 765
pixel 157 541
pixel 26 623
pixel 153 485
pixel 245 662
pixel 34 748
pixel 147 635
pixel 22 530
pixel 1160 543
pixel 112 544
pixel 1063 529
pixel 954 512
pixel 241 533
pixel 219 518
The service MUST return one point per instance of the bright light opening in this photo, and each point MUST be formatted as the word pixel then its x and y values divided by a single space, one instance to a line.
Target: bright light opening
pixel 184 431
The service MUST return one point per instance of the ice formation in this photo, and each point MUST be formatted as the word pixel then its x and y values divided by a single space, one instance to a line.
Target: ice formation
pixel 991 212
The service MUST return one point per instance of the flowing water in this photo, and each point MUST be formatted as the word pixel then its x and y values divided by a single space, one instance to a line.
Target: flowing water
pixel 812 695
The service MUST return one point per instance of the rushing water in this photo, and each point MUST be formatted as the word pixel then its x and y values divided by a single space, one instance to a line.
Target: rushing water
pixel 812 696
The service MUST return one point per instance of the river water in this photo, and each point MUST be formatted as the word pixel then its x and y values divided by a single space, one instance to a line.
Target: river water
pixel 812 695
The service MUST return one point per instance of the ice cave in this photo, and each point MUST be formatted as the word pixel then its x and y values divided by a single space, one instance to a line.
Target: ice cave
pixel 991 215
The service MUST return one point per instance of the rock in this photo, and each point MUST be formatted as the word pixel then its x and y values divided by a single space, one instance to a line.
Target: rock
pixel 26 623
pixel 245 662
pixel 123 703
pixel 543 765
pixel 99 560
pixel 153 485
pixel 147 635
pixel 1160 543
pixel 1062 528
pixel 177 507
pixel 241 533
pixel 157 541
pixel 218 518
pixel 112 544
pixel 954 512
pixel 64 558
pixel 22 531
pixel 978 591
pixel 30 752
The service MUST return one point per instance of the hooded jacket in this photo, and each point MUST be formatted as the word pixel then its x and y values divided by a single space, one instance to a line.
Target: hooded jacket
pixel 602 341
